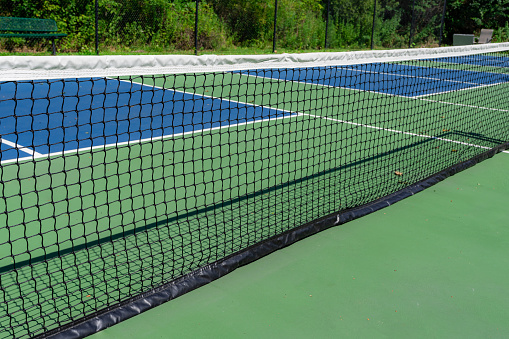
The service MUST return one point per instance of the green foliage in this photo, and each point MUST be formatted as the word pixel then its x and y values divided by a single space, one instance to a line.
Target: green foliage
pixel 388 25
pixel 470 16
pixel 248 20
pixel 353 20
pixel 168 25
pixel 501 34
pixel 300 24
pixel 74 17
pixel 177 29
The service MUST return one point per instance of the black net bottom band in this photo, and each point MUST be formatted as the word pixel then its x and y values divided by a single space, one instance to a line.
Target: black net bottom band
pixel 211 272
pixel 123 192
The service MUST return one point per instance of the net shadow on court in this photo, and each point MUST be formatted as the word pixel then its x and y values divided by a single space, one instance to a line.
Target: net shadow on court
pixel 130 190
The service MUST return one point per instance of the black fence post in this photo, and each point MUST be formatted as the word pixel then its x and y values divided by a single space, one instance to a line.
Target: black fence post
pixel 327 24
pixel 97 27
pixel 275 24
pixel 373 27
pixel 196 29
pixel 442 25
pixel 412 25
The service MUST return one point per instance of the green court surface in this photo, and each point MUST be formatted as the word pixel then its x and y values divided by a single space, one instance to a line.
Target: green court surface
pixel 142 215
pixel 435 265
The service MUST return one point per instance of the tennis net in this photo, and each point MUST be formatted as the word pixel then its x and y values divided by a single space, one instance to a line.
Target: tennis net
pixel 127 181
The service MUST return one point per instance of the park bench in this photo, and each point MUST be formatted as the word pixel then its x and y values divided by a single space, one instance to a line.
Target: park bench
pixel 30 28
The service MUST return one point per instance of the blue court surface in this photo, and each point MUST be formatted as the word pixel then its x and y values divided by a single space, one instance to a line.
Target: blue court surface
pixel 480 60
pixel 49 116
pixel 63 115
pixel 392 79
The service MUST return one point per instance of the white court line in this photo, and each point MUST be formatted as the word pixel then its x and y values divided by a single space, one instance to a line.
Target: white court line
pixel 476 85
pixel 37 155
pixel 456 69
pixel 461 89
pixel 398 131
pixel 362 125
pixel 357 124
pixel 502 60
pixel 381 93
pixel 323 85
pixel 411 76
pixel 465 105
pixel 212 97
pixel 20 148
pixel 139 141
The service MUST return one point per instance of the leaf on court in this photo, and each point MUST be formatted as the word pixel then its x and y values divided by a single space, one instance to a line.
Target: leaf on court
pixel 454 150
pixel 445 130
pixel 398 173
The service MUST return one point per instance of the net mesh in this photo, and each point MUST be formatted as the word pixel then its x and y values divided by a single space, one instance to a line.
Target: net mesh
pixel 114 186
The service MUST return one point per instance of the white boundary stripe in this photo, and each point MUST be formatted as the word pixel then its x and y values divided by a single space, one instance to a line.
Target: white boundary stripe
pixel 19 147
pixel 386 94
pixel 505 62
pixel 461 89
pixel 40 155
pixel 463 105
pixel 212 97
pixel 348 122
pixel 489 69
pixel 84 149
pixel 412 76
pixel 328 86
pixel 397 131
pixel 357 124
pixel 37 155
pixel 58 67
pixel 139 141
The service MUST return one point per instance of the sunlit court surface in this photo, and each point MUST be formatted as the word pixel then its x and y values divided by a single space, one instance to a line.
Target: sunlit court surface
pixel 429 266
pixel 136 186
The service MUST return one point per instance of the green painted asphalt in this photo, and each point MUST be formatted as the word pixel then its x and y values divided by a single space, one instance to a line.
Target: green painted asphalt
pixel 435 265
pixel 108 224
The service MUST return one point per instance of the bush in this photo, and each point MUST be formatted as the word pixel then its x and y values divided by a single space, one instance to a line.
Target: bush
pixel 501 34
pixel 168 25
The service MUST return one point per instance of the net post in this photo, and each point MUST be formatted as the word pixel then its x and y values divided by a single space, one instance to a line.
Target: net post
pixel 373 27
pixel 196 28
pixel 442 25
pixel 275 24
pixel 412 25
pixel 97 27
pixel 327 23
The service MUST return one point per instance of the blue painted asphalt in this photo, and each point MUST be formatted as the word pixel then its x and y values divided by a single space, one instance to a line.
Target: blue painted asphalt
pixel 479 59
pixel 392 79
pixel 9 152
pixel 61 115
